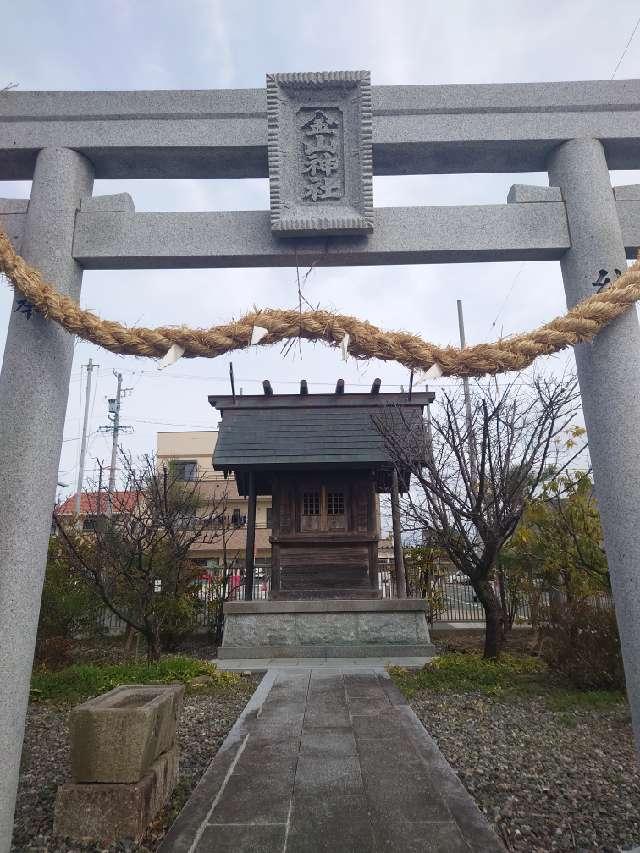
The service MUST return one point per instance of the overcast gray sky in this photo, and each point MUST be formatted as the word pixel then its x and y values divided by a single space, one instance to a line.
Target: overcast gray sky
pixel 205 44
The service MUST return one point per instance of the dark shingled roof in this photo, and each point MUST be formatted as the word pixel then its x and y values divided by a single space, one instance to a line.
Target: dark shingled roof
pixel 311 431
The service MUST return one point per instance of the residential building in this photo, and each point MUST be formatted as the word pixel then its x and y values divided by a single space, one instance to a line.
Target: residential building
pixel 189 455
pixel 91 508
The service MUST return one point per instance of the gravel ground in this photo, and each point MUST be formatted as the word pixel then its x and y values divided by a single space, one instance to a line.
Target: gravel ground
pixel 547 780
pixel 205 721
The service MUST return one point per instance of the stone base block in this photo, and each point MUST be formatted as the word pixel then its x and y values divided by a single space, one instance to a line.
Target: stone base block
pixel 326 629
pixel 105 813
pixel 372 650
pixel 118 736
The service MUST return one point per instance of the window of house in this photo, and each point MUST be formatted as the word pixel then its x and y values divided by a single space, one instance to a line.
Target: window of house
pixel 335 503
pixel 89 522
pixel 185 469
pixel 311 503
pixel 269 517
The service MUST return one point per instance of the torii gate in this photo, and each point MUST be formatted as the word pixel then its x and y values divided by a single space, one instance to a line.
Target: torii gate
pixel 63 140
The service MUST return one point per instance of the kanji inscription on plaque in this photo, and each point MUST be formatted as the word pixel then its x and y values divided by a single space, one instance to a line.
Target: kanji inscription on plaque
pixel 323 160
pixel 320 153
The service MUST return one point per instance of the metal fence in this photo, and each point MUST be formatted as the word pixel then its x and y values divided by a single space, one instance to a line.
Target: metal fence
pixel 209 594
pixel 450 598
pixel 456 601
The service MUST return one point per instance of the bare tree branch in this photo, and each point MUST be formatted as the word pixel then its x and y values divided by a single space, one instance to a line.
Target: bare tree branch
pixel 138 555
pixel 520 435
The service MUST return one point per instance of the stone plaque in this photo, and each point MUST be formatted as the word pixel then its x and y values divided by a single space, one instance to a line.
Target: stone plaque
pixel 320 153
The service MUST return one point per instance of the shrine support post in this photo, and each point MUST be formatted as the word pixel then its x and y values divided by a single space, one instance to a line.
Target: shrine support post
pixel 34 386
pixel 398 556
pixel 609 375
pixel 250 546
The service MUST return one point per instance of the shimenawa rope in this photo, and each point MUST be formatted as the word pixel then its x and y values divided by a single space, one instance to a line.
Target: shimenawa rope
pixel 580 324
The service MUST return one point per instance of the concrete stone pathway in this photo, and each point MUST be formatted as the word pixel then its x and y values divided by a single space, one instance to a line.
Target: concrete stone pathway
pixel 329 760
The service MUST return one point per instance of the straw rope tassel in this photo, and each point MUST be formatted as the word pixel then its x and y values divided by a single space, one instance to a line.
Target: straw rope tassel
pixel 578 325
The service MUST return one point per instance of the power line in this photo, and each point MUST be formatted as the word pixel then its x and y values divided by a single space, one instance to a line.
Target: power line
pixel 224 379
pixel 508 296
pixel 626 48
pixel 95 391
pixel 171 423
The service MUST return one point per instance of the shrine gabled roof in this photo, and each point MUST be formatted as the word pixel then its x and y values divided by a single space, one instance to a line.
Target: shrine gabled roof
pixel 312 431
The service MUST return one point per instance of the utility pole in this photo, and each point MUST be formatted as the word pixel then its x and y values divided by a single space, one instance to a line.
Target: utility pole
pixel 83 443
pixel 429 427
pixel 115 410
pixel 467 403
pixel 233 381
pixel 115 428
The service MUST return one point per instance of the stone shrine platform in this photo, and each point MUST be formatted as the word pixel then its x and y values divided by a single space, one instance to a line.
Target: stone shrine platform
pixel 329 760
pixel 330 628
pixel 261 665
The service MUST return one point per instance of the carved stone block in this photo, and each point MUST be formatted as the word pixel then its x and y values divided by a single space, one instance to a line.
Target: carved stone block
pixel 117 737
pixel 320 153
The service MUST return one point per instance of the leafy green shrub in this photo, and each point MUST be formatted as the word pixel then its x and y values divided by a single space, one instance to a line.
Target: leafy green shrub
pixel 581 641
pixel 81 681
pixel 70 607
pixel 422 566
pixel 463 673
pixel 177 615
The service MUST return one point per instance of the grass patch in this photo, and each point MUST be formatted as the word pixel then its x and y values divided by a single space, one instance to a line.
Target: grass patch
pixel 82 681
pixel 508 677
pixel 564 699
pixel 463 673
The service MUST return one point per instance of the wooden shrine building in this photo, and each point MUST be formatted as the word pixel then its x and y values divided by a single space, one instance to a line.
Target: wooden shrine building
pixel 323 459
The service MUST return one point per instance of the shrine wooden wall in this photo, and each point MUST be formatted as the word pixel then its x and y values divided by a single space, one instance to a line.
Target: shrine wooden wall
pixel 318 550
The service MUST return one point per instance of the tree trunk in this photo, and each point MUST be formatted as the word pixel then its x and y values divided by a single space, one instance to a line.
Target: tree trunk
pixel 507 621
pixel 129 639
pixel 494 618
pixel 154 648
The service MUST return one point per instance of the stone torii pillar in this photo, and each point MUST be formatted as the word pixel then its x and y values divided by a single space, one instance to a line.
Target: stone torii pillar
pixel 34 387
pixel 609 375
